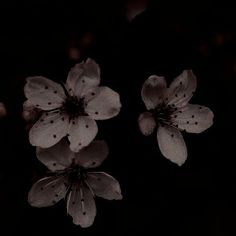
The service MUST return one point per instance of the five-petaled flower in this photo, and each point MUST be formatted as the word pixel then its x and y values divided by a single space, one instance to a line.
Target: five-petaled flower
pixel 72 178
pixel 169 109
pixel 70 109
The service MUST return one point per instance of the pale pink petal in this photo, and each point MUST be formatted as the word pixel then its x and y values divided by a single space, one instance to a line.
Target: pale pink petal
pixel 171 144
pixel 47 191
pixel 44 93
pixel 154 91
pixel 57 157
pixel 83 77
pixel 49 129
pixel 105 104
pixel 92 155
pixel 82 131
pixel 30 112
pixel 104 185
pixel 146 123
pixel 81 205
pixel 182 88
pixel 193 118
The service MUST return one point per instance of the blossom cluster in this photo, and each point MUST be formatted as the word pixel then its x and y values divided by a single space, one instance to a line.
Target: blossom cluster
pixel 64 128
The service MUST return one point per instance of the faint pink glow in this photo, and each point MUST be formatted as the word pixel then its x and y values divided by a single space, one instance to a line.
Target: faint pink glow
pixel 3 111
pixel 74 53
pixel 134 8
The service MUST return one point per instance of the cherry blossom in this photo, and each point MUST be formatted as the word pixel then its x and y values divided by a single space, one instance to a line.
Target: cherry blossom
pixel 72 178
pixel 70 109
pixel 168 108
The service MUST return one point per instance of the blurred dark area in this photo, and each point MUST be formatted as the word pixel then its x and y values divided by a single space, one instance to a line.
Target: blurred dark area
pixel 130 40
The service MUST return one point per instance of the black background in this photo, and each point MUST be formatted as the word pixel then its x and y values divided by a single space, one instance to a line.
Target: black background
pixel 159 197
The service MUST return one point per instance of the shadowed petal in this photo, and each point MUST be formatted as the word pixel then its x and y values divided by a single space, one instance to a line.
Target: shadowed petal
pixel 44 93
pixel 47 191
pixel 82 131
pixel 104 185
pixel 30 112
pixel 57 157
pixel 154 91
pixel 182 88
pixel 194 118
pixel 146 123
pixel 171 144
pixel 93 155
pixel 81 205
pixel 48 130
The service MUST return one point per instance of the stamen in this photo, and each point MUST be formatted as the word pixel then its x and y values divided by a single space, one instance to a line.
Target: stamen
pixel 64 88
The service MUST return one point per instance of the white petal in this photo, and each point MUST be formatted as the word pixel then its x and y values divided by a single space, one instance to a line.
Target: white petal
pixel 44 93
pixel 171 144
pixel 104 185
pixel 82 132
pixel 47 191
pixel 49 129
pixel 182 88
pixel 194 118
pixel 146 123
pixel 154 91
pixel 82 77
pixel 57 157
pixel 105 104
pixel 81 205
pixel 92 155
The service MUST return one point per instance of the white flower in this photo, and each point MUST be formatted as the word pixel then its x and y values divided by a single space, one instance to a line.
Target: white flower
pixel 169 109
pixel 70 109
pixel 72 178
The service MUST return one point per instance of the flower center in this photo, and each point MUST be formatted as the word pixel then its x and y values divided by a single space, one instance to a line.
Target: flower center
pixel 162 114
pixel 74 107
pixel 75 174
